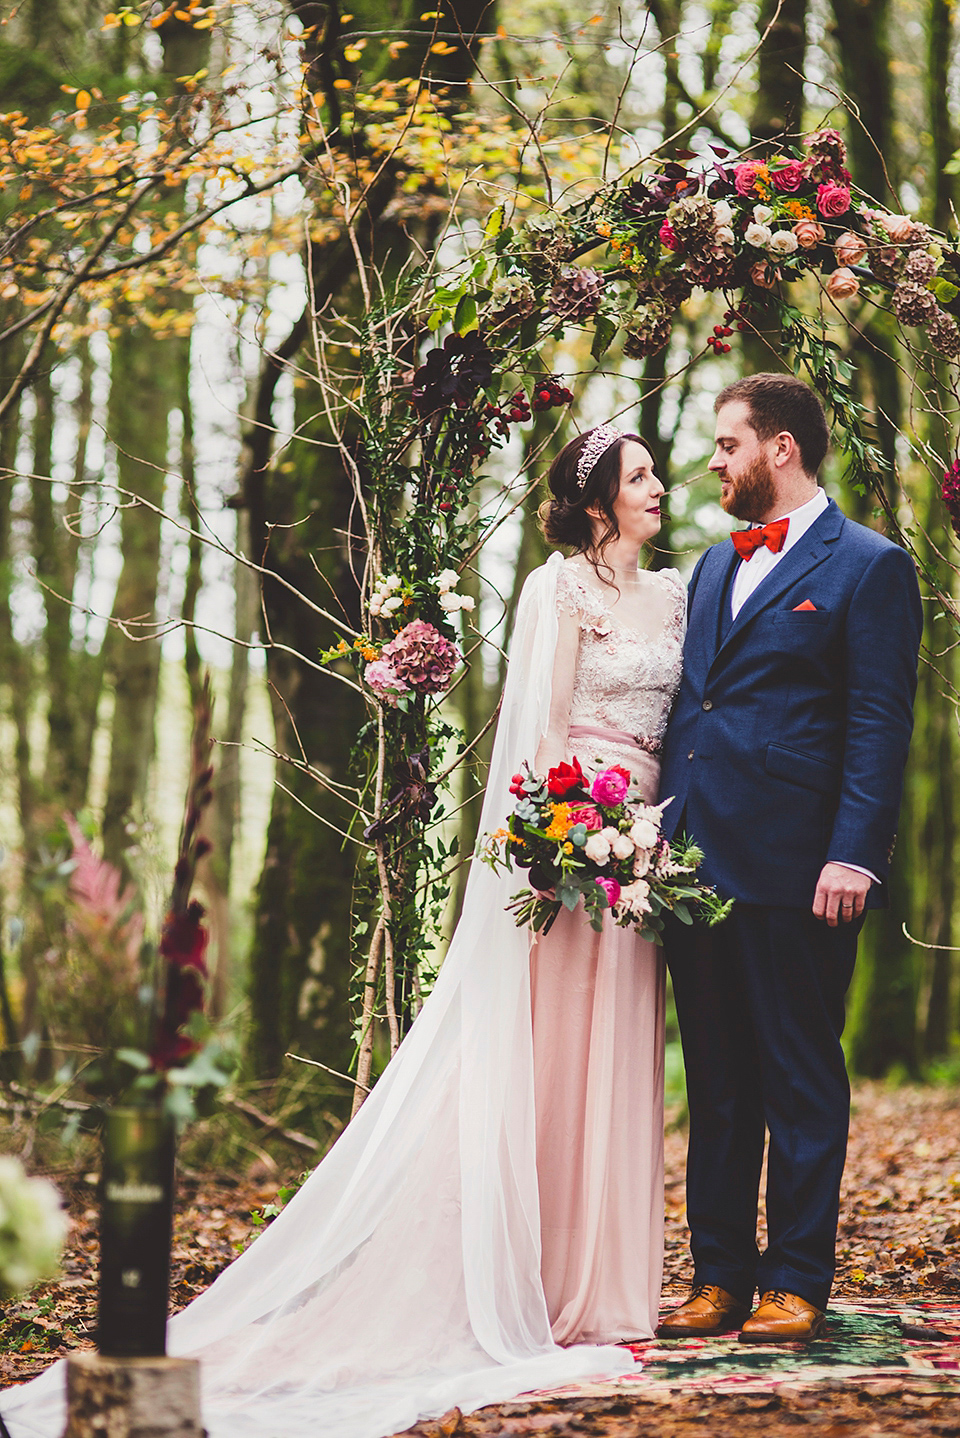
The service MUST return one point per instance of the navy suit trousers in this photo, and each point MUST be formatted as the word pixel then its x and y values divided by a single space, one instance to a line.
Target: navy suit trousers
pixel 760 1001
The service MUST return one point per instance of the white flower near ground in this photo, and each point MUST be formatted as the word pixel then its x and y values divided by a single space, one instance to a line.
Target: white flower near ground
pixel 33 1227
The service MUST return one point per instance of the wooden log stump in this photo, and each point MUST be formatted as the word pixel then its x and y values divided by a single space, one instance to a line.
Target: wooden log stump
pixel 132 1397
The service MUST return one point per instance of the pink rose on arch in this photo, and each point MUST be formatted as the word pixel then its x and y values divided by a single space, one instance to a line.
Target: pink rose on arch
pixel 809 234
pixel 788 178
pixel 611 888
pixel 843 285
pixel 833 200
pixel 745 177
pixel 609 787
pixel 850 248
pixel 586 815
pixel 898 227
pixel 668 236
pixel 763 275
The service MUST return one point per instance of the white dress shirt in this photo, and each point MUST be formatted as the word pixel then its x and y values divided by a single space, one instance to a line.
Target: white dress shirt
pixel 751 573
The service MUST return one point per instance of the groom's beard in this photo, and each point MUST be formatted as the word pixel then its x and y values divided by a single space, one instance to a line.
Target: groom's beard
pixel 752 494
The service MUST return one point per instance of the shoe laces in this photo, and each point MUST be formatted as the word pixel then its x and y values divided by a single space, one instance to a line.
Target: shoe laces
pixel 777 1296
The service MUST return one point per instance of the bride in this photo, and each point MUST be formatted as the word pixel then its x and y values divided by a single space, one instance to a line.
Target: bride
pixel 495 1210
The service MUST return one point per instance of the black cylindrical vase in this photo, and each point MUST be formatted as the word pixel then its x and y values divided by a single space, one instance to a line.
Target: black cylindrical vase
pixel 136 1231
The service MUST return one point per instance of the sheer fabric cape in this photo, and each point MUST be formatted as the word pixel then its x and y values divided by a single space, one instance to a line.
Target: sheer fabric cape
pixel 404 1277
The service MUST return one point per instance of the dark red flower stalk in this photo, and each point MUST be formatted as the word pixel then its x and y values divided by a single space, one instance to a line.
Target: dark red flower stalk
pixel 183 943
pixel 950 494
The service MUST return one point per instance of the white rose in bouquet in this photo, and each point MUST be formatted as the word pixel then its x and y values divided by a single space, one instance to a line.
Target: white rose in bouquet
pixel 33 1227
pixel 634 898
pixel 622 846
pixel 597 848
pixel 644 833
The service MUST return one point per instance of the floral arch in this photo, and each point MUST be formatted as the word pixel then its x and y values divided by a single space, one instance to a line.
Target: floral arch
pixel 413 435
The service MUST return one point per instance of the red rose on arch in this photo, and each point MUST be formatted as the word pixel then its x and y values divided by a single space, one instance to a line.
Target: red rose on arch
pixel 564 778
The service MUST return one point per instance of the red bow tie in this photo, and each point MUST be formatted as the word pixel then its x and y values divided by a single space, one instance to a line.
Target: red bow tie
pixel 747 541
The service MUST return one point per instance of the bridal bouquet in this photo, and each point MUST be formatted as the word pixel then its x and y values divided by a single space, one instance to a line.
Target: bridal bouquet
pixel 591 843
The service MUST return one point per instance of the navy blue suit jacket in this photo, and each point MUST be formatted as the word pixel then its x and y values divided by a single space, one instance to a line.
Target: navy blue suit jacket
pixel 788 739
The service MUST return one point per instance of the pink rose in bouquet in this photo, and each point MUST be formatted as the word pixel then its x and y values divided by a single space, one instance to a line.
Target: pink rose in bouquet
pixel 668 236
pixel 611 888
pixel 610 786
pixel 586 815
pixel 833 200
pixel 899 227
pixel 788 178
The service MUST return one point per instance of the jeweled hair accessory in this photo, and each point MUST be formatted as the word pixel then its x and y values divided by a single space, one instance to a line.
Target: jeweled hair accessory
pixel 598 442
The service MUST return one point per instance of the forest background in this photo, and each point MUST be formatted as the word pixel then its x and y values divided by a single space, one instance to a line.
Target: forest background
pixel 170 488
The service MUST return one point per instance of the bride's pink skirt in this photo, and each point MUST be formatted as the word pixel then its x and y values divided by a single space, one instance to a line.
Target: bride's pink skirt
pixel 598 1001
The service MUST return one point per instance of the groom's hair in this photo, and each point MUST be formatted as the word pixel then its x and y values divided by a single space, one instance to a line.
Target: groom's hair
pixel 778 403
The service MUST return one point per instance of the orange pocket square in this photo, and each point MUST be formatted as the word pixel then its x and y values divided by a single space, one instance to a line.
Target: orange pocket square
pixel 807 604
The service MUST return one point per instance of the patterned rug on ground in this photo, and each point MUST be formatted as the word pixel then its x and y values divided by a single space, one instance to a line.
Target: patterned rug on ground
pixel 867 1343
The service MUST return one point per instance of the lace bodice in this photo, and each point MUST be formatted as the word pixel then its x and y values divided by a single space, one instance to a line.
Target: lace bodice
pixel 628 661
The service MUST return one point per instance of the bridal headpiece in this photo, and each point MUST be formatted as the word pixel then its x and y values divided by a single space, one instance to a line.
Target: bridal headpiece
pixel 598 442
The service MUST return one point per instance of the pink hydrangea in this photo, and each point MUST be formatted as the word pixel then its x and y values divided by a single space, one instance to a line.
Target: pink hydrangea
pixel 611 888
pixel 422 657
pixel 609 787
pixel 586 815
pixel 385 682
pixel 833 200
pixel 788 178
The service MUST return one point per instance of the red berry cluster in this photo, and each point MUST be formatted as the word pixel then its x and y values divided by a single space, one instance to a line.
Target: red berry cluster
pixel 548 393
pixel 718 340
pixel 950 493
pixel 501 417
pixel 738 317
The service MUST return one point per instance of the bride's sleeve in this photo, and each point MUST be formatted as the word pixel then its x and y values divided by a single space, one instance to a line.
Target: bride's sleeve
pixel 553 746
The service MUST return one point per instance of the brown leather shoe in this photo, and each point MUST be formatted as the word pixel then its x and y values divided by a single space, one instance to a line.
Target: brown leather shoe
pixel 783 1318
pixel 708 1310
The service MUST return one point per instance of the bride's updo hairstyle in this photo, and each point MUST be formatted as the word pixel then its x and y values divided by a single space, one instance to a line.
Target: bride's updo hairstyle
pixel 563 517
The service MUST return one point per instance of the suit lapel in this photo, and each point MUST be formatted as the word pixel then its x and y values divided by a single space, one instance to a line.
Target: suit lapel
pixel 809 552
pixel 705 616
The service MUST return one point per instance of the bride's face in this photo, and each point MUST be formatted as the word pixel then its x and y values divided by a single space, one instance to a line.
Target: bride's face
pixel 637 505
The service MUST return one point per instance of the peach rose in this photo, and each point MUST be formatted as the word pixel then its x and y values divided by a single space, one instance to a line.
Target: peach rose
pixel 850 248
pixel 843 285
pixel 898 227
pixel 764 275
pixel 809 234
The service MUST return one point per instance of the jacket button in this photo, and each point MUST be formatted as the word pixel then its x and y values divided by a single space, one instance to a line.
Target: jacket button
pixel 707 704
pixel 690 755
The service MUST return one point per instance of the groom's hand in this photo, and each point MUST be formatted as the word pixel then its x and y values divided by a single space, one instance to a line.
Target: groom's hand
pixel 841 894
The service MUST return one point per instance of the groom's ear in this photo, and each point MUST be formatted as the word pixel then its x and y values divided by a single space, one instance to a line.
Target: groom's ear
pixel 785 448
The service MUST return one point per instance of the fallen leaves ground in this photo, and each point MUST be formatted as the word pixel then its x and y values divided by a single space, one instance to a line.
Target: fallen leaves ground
pixel 899 1241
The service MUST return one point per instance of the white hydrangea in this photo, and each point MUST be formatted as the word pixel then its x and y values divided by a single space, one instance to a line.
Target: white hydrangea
pixel 783 242
pixel 758 235
pixel 33 1227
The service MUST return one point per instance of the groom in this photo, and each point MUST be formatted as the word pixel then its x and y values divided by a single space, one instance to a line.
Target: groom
pixel 784 757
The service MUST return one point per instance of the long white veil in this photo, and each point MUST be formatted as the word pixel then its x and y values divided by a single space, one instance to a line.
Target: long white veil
pixel 404 1276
